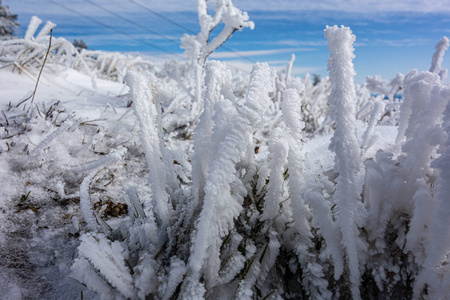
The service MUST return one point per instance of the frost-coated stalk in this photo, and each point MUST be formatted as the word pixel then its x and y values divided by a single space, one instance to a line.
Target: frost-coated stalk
pixel 376 114
pixel 199 80
pixel 278 148
pixel 88 71
pixel 32 27
pixel 220 207
pixel 41 146
pixel 313 281
pixel 216 76
pixel 200 47
pixel 420 149
pixel 146 112
pixel 289 69
pixel 291 107
pixel 418 87
pixel 46 29
pixel 348 163
pixel 434 273
pixel 302 195
pixel 438 57
pixel 233 18
pixel 405 108
pixel 108 258
pixel 85 202
pixel 396 85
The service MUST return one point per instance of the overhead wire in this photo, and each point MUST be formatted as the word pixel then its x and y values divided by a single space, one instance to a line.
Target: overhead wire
pixel 112 28
pixel 142 27
pixel 133 22
pixel 163 17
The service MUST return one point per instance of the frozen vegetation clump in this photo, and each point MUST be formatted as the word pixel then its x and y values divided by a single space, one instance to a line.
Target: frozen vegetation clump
pixel 27 54
pixel 221 186
pixel 252 217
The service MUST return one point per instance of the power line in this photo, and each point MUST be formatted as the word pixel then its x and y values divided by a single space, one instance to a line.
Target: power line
pixel 143 27
pixel 154 32
pixel 111 28
pixel 163 17
pixel 133 22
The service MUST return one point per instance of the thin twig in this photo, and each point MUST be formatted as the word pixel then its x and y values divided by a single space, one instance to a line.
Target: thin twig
pixel 90 121
pixel 6 118
pixel 43 64
pixel 40 72
pixel 11 136
pixel 38 110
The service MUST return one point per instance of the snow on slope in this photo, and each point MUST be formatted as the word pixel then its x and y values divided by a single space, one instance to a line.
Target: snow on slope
pixel 37 233
pixel 72 86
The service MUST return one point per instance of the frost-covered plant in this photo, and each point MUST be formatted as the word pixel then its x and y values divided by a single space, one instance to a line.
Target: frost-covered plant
pixel 351 212
pixel 111 65
pixel 148 113
pixel 27 54
pixel 376 84
pixel 438 57
pixel 434 274
pixel 199 47
pixel 216 218
pixel 380 90
pixel 309 208
pixel 252 213
pixel 314 102
pixel 400 217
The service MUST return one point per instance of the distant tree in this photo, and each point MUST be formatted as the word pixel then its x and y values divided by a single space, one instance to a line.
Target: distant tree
pixel 316 79
pixel 7 22
pixel 79 44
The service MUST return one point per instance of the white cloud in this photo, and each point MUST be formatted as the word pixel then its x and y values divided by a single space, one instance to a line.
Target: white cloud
pixel 295 43
pixel 237 54
pixel 402 42
pixel 353 6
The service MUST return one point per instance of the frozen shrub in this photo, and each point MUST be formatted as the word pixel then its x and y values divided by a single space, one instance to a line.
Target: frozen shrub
pixel 199 47
pixel 438 57
pixel 435 273
pixel 147 111
pixel 216 217
pixel 217 79
pixel 351 212
pixel 302 196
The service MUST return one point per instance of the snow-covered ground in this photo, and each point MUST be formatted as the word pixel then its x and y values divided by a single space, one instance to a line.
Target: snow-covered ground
pixel 37 234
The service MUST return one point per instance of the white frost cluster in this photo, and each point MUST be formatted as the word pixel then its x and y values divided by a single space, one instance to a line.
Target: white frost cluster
pixel 216 217
pixel 344 143
pixel 148 114
pixel 438 58
pixel 199 47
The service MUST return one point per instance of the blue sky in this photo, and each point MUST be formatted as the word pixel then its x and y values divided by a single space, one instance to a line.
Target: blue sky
pixel 392 36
